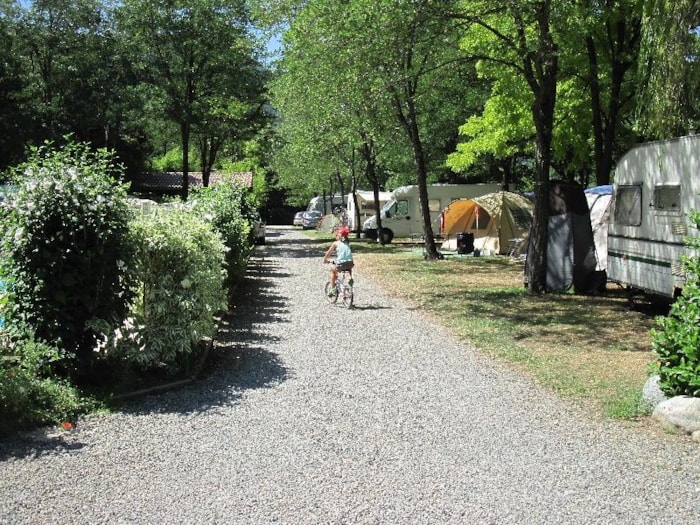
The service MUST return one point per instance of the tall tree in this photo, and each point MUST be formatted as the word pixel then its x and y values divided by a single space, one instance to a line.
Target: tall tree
pixel 317 103
pixel 189 51
pixel 540 63
pixel 14 119
pixel 414 48
pixel 230 120
pixel 670 69
pixel 612 46
pixel 74 77
pixel 519 36
pixel 69 52
pixel 385 58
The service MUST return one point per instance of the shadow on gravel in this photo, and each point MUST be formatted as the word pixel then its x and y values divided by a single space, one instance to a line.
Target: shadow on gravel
pixel 371 307
pixel 300 247
pixel 239 360
pixel 37 444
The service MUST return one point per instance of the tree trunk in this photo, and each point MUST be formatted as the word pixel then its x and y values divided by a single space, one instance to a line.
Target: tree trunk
pixel 353 196
pixel 422 176
pixel 185 134
pixel 623 42
pixel 341 187
pixel 371 174
pixel 208 147
pixel 541 69
pixel 596 111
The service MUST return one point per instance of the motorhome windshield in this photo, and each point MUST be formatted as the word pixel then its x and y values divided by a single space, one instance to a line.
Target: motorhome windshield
pixel 388 206
pixel 315 205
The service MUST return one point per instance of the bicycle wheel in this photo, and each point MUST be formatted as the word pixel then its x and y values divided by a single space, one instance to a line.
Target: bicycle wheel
pixel 330 298
pixel 347 296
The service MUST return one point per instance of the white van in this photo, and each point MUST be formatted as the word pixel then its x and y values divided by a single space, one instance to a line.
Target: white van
pixel 365 203
pixel 401 215
pixel 656 185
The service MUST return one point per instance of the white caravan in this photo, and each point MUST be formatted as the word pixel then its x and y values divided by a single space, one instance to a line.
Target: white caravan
pixel 317 204
pixel 401 215
pixel 656 185
pixel 365 203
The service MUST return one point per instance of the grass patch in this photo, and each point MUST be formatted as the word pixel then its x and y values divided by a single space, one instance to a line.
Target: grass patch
pixel 592 350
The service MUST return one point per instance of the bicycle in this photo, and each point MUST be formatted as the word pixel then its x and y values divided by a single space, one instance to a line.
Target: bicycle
pixel 343 289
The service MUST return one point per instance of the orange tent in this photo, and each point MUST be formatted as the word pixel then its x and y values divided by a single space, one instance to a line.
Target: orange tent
pixel 495 219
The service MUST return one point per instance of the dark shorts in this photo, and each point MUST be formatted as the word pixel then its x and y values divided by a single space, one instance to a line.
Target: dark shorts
pixel 344 267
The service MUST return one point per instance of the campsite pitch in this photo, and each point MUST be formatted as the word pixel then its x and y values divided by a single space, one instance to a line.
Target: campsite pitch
pixel 592 350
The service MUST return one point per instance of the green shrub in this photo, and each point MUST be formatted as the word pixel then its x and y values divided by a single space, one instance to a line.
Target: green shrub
pixel 677 339
pixel 232 212
pixel 30 393
pixel 66 247
pixel 179 264
pixel 171 160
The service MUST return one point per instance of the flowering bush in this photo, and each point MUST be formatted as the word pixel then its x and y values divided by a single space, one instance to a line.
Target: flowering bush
pixel 231 211
pixel 67 247
pixel 179 265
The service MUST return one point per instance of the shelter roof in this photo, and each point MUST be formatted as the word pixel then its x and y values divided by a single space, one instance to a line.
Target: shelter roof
pixel 171 181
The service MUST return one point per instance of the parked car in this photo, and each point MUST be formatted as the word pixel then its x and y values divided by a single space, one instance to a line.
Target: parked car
pixel 311 219
pixel 298 218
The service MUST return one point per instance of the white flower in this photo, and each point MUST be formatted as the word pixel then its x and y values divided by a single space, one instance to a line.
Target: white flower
pixel 101 345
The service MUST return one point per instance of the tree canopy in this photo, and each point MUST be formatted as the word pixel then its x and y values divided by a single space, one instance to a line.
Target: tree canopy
pixel 131 76
pixel 365 93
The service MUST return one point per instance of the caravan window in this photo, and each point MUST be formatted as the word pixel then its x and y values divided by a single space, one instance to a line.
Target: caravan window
pixel 434 205
pixel 628 205
pixel 667 198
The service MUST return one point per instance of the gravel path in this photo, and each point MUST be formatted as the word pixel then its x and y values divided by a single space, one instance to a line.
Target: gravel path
pixel 315 414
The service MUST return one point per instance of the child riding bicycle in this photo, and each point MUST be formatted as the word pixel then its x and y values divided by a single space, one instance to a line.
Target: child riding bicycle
pixel 343 255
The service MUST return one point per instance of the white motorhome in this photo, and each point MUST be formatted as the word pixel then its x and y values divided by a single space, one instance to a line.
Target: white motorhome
pixel 401 215
pixel 365 203
pixel 326 204
pixel 656 185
